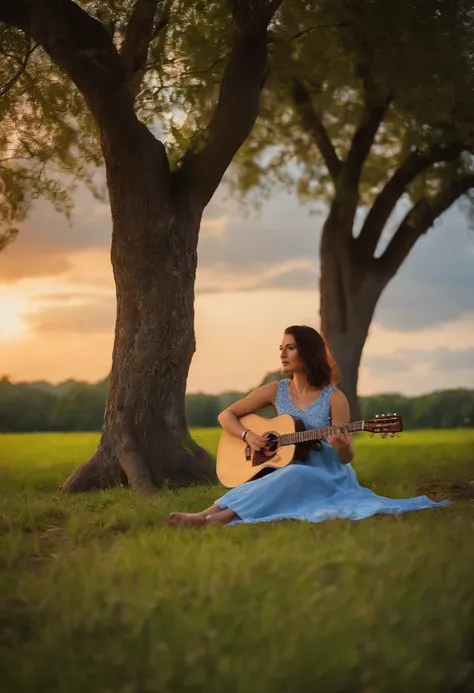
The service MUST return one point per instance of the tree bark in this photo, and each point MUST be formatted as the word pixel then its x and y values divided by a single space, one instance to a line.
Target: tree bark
pixel 145 441
pixel 349 291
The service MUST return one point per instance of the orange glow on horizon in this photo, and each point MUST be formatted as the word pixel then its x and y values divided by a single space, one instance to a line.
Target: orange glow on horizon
pixel 12 323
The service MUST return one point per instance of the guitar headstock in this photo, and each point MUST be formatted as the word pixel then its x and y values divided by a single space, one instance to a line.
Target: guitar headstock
pixel 385 424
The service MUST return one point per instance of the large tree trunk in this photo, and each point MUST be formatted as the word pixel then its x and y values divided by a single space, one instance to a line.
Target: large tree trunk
pixel 145 440
pixel 349 294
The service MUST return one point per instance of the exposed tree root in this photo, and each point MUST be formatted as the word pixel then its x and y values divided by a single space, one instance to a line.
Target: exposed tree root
pixel 95 474
pixel 135 468
pixel 144 474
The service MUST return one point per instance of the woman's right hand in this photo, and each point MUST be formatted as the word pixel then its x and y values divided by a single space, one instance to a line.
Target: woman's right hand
pixel 255 441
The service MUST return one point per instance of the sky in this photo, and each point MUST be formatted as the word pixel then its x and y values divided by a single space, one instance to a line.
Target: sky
pixel 257 273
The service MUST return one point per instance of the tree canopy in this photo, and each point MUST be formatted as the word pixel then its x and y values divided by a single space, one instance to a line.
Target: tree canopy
pixel 406 70
pixel 49 137
pixel 410 65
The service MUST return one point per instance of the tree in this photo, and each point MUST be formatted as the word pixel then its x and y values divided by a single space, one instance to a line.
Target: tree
pixel 383 129
pixel 202 410
pixel 156 206
pixel 24 408
pixel 367 110
pixel 80 408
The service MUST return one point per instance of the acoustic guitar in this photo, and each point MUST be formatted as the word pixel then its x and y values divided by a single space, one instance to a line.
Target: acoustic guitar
pixel 287 441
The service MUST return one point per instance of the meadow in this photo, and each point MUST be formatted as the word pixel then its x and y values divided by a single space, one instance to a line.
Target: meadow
pixel 98 595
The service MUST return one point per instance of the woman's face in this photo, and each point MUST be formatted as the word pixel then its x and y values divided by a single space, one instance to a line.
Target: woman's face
pixel 291 362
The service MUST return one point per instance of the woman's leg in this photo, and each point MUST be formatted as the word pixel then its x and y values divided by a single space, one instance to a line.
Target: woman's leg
pixel 213 515
pixel 175 519
pixel 220 518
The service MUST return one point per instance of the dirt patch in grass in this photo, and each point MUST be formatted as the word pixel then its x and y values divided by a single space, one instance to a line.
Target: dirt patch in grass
pixel 455 490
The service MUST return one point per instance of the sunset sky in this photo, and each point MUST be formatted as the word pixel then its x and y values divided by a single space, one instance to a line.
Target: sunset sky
pixel 258 272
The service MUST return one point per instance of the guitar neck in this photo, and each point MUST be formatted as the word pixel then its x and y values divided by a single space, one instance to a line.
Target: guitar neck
pixel 318 433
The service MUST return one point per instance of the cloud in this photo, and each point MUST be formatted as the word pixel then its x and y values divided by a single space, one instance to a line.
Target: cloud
pixel 223 278
pixel 69 333
pixel 244 250
pixel 213 227
pixel 434 285
pixel 405 361
pixel 401 361
pixel 47 239
pixel 74 314
pixel 255 241
pixel 436 282
pixel 303 276
pixel 453 359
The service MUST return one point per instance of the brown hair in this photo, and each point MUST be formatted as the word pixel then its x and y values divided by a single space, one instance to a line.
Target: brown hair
pixel 314 352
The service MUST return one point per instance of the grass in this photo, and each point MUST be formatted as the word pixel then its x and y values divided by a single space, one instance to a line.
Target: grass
pixel 97 595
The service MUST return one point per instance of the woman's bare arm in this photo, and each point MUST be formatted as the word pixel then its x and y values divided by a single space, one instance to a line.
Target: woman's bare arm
pixel 259 398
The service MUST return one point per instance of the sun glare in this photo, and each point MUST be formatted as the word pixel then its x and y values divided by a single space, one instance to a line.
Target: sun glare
pixel 12 324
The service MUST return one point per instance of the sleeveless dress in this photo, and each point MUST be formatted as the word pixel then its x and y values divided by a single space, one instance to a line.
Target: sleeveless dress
pixel 320 488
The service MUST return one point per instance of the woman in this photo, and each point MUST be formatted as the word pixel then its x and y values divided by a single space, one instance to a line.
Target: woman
pixel 324 485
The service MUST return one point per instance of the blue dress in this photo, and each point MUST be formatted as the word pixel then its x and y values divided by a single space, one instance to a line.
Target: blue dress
pixel 320 488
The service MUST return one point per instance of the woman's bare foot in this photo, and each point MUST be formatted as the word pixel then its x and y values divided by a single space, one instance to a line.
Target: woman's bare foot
pixel 185 519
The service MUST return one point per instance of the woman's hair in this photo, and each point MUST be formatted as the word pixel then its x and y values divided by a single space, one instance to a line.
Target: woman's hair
pixel 312 349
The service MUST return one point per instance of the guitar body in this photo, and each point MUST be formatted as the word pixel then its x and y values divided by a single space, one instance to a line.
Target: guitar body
pixel 232 466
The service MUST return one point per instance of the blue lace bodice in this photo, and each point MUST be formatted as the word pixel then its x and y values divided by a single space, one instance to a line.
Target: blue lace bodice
pixel 317 415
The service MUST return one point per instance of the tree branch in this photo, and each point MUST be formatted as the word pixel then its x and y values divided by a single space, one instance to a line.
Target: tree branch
pixel 303 32
pixel 238 102
pixel 364 136
pixel 7 237
pixel 314 125
pixel 81 46
pixel 253 15
pixel 140 31
pixel 11 82
pixel 15 13
pixel 417 222
pixel 343 209
pixel 385 203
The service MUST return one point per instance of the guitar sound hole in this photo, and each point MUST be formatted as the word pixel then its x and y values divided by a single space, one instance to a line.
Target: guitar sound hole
pixel 272 441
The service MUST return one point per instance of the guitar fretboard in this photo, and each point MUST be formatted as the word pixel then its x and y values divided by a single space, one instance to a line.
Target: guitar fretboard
pixel 318 433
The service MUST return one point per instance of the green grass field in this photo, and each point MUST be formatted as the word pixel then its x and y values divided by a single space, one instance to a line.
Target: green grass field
pixel 97 595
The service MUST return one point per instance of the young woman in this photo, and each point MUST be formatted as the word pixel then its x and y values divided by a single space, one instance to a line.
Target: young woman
pixel 324 485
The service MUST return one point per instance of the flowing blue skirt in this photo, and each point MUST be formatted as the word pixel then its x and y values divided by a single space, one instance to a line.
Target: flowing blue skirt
pixel 318 489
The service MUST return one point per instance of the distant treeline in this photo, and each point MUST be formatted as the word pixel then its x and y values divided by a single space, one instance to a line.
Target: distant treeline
pixel 79 406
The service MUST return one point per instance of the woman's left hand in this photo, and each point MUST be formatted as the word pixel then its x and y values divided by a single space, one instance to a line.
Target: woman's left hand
pixel 340 440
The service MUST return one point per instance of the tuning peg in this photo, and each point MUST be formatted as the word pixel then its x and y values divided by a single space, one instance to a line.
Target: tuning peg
pixel 392 435
pixel 383 435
